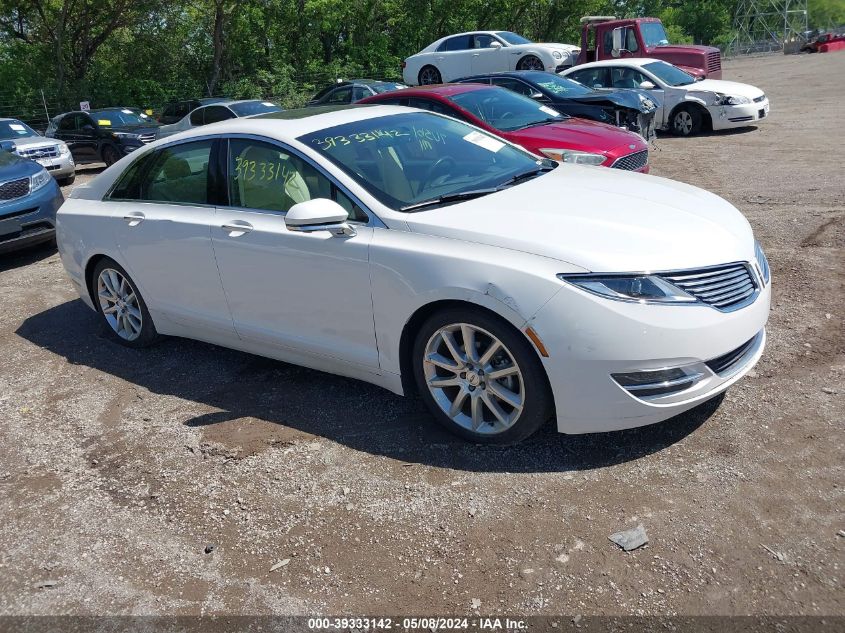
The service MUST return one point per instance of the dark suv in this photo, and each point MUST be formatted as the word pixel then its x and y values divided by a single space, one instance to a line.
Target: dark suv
pixel 103 136
pixel 176 110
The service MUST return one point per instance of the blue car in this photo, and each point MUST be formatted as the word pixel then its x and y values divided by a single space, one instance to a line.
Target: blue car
pixel 29 199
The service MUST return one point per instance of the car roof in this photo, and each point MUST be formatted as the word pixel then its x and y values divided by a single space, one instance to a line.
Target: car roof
pixel 633 62
pixel 444 90
pixel 10 119
pixel 295 123
pixel 531 75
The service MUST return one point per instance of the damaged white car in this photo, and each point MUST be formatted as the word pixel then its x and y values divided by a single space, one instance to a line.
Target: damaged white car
pixel 688 106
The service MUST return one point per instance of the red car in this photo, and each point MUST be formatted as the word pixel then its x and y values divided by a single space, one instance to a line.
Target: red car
pixel 536 127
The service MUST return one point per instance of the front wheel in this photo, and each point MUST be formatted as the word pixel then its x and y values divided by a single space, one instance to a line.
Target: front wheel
pixel 121 306
pixel 110 155
pixel 480 377
pixel 686 121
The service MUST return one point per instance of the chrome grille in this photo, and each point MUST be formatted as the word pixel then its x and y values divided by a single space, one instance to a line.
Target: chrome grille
pixel 637 160
pixel 148 138
pixel 723 364
pixel 51 151
pixel 714 61
pixel 724 287
pixel 760 99
pixel 13 189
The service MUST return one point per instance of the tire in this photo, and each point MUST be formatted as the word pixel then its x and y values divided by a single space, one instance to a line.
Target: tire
pixel 686 121
pixel 429 75
pixel 110 155
pixel 459 392
pixel 530 62
pixel 121 306
pixel 65 182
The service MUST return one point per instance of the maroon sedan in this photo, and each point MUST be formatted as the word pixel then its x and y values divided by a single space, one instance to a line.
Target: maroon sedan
pixel 536 127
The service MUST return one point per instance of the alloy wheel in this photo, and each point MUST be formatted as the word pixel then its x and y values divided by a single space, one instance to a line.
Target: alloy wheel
pixel 683 122
pixel 531 63
pixel 429 75
pixel 119 304
pixel 474 378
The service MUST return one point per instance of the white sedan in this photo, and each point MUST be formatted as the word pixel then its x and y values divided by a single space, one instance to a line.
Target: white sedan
pixel 482 52
pixel 216 112
pixel 424 255
pixel 688 106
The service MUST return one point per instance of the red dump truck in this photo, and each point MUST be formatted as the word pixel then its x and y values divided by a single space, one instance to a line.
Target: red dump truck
pixel 605 37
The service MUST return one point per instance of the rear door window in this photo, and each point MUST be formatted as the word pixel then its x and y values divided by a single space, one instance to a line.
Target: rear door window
pixel 198 117
pixel 213 114
pixel 457 43
pixel 178 174
pixel 515 85
pixel 341 95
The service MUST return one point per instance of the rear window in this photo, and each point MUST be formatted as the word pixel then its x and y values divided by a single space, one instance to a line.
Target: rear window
pixel 248 108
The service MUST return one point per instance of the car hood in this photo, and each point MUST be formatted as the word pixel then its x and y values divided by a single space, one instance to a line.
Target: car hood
pixel 566 48
pixel 617 98
pixel 35 141
pixel 600 220
pixel 13 166
pixel 134 129
pixel 577 133
pixel 732 88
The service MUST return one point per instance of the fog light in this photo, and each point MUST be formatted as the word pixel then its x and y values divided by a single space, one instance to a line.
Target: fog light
pixel 658 382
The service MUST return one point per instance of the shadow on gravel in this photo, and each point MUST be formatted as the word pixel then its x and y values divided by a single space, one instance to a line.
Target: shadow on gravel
pixel 349 412
pixel 26 256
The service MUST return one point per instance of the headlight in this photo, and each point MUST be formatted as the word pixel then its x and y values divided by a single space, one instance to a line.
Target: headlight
pixel 730 100
pixel 556 54
pixel 127 135
pixel 762 262
pixel 572 156
pixel 636 288
pixel 64 150
pixel 39 180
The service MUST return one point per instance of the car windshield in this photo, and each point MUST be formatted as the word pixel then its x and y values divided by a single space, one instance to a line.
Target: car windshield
pixel 418 160
pixel 513 38
pixel 248 108
pixel 669 74
pixel 387 87
pixel 125 116
pixel 653 34
pixel 13 129
pixel 562 87
pixel 506 110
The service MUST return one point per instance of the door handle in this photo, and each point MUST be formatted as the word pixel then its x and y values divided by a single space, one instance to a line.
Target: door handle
pixel 236 228
pixel 476 54
pixel 134 218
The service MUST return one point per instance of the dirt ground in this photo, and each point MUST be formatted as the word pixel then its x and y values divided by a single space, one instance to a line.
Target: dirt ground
pixel 120 468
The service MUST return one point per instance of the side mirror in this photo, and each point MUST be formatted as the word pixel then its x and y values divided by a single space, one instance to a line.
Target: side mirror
pixel 618 45
pixel 495 44
pixel 536 95
pixel 88 128
pixel 319 214
pixel 7 146
pixel 647 85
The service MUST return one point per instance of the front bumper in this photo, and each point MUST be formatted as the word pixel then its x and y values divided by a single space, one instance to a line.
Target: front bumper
pixel 59 167
pixel 589 338
pixel 30 220
pixel 727 117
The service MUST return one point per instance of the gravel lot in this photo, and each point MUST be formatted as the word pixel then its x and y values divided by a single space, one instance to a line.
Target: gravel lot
pixel 118 468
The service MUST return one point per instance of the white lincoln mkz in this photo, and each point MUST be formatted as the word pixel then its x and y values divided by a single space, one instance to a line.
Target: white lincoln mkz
pixel 416 252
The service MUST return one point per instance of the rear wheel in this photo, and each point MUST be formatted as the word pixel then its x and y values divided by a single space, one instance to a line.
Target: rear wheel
pixel 110 155
pixel 121 306
pixel 687 121
pixel 530 62
pixel 429 75
pixel 480 377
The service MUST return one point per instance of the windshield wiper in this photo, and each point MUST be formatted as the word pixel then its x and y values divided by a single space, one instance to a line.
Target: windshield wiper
pixel 526 175
pixel 543 122
pixel 450 197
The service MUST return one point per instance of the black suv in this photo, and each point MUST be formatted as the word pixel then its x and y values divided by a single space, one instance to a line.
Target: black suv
pixel 103 136
pixel 177 110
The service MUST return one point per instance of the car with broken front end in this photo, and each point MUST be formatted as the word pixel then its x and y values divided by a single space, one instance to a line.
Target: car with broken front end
pixel 425 255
